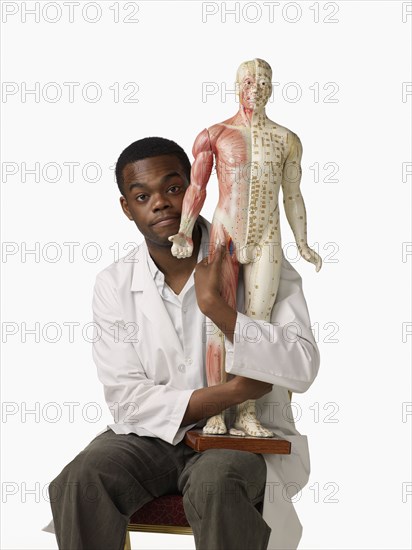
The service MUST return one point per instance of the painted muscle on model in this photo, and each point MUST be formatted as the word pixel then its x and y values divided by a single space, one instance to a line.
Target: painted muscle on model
pixel 254 157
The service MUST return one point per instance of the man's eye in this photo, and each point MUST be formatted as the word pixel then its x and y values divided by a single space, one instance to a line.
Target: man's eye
pixel 141 198
pixel 174 188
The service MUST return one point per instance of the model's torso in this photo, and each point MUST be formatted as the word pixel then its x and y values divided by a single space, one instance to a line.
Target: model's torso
pixel 249 161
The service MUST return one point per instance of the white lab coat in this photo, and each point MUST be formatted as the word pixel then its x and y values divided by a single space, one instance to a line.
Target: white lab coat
pixel 138 354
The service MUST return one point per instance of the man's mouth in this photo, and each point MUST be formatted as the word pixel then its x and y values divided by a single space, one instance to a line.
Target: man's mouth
pixel 166 220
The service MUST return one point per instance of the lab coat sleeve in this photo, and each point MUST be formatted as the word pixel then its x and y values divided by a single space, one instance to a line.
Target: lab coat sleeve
pixel 283 351
pixel 137 404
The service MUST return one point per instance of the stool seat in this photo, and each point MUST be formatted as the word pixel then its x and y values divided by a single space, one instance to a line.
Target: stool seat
pixel 164 510
pixel 163 514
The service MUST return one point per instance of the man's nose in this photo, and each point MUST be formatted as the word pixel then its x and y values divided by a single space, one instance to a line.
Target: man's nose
pixel 160 202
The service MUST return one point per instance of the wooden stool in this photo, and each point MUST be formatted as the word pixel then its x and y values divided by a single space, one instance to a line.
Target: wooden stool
pixel 166 514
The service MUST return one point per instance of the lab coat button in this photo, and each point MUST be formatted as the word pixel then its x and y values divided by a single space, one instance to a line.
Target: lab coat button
pixel 181 368
pixel 189 361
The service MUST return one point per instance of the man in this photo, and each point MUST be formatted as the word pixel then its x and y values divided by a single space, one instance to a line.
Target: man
pixel 151 310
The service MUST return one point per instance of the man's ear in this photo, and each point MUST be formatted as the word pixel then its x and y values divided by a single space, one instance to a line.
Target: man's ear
pixel 125 207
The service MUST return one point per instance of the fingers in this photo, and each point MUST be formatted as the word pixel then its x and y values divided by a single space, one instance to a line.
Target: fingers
pixel 316 260
pixel 182 247
pixel 216 254
pixel 183 252
pixel 312 257
pixel 180 252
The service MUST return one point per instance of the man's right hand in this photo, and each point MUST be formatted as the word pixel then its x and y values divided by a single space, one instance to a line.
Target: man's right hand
pixel 182 245
pixel 218 398
pixel 248 388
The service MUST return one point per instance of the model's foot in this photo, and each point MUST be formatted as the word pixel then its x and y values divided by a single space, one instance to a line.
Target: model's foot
pixel 252 426
pixel 215 425
pixel 236 431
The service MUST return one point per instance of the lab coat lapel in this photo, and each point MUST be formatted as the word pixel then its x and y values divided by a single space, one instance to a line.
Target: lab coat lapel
pixel 150 304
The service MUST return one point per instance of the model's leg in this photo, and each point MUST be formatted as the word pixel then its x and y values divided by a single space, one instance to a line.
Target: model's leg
pixel 215 350
pixel 220 491
pixel 261 278
pixel 94 496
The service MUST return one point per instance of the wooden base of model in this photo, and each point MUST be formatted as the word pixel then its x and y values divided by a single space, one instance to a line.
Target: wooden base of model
pixel 200 442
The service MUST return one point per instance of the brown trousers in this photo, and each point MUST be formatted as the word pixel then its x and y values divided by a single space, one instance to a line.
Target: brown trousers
pixel 94 496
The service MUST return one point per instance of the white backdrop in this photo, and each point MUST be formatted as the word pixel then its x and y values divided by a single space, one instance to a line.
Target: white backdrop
pixel 82 80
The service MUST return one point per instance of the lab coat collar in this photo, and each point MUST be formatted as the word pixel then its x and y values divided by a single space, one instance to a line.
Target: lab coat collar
pixel 150 303
pixel 141 278
pixel 149 300
pixel 141 274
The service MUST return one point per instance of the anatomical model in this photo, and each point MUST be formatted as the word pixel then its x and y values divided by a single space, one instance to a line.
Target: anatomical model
pixel 254 156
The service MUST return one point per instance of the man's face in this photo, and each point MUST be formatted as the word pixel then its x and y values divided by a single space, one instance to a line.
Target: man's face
pixel 255 88
pixel 154 189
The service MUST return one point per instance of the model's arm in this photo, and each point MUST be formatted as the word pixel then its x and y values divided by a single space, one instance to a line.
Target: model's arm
pixel 292 197
pixel 293 200
pixel 199 177
pixel 195 195
pixel 281 352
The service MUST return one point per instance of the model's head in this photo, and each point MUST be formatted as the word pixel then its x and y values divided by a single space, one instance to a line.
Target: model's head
pixel 254 83
pixel 152 175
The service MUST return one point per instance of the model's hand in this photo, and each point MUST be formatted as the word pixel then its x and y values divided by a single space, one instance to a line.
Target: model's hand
pixel 208 274
pixel 311 256
pixel 182 245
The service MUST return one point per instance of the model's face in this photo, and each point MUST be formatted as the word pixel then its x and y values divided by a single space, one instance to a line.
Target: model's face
pixel 154 189
pixel 255 88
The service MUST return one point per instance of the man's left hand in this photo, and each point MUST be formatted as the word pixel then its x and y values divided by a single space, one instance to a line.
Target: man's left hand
pixel 208 276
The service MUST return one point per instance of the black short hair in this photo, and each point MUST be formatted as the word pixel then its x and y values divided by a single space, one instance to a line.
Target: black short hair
pixel 146 148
